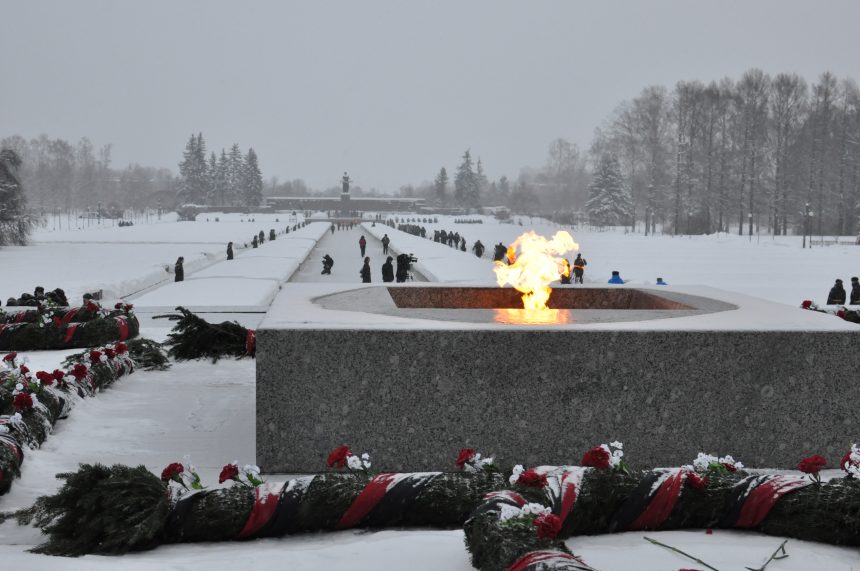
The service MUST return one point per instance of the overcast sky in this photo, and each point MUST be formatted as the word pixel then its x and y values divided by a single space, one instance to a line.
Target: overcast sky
pixel 390 91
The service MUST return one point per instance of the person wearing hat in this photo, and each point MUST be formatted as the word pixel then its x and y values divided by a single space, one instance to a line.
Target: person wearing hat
pixel 661 282
pixel 855 291
pixel 837 294
pixel 616 278
pixel 388 270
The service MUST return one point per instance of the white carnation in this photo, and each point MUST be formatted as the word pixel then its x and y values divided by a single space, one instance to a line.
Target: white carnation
pixel 508 512
pixel 19 387
pixel 518 469
pixel 4 429
pixel 617 444
pixel 354 462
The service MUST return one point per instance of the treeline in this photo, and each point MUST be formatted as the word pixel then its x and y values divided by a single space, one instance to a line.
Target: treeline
pixel 763 153
pixel 56 174
pixel 232 179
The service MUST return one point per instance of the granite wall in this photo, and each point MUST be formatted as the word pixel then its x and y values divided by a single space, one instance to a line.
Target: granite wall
pixel 414 398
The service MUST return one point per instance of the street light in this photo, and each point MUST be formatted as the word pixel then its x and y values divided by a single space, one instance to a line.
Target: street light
pixel 750 224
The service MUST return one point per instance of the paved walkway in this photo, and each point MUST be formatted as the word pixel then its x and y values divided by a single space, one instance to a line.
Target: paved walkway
pixel 342 246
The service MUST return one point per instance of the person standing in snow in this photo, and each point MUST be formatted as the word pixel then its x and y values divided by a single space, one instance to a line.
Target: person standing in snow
pixel 388 270
pixel 365 271
pixel 262 238
pixel 579 268
pixel 229 250
pixel 179 270
pixel 362 243
pixel 855 291
pixel 837 294
pixel 385 241
pixel 327 262
pixel 478 248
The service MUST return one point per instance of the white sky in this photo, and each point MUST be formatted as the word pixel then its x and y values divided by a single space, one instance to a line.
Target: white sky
pixel 389 90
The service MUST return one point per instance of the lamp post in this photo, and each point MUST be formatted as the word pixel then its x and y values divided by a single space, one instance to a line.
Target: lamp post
pixel 806 225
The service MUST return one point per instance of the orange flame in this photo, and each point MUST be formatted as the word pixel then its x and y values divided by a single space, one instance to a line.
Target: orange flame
pixel 538 264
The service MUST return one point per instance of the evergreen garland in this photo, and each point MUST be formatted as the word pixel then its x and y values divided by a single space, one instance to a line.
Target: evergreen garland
pixel 119 509
pixel 39 331
pixel 23 427
pixel 193 338
pixel 147 354
pixel 609 501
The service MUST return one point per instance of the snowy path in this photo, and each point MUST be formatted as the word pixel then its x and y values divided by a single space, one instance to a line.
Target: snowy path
pixel 342 246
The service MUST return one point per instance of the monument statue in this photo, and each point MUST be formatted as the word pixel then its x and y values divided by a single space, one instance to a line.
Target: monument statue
pixel 345 181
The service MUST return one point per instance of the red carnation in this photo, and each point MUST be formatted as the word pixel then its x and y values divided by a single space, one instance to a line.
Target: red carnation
pixel 172 472
pixel 10 357
pixel 111 354
pixel 597 457
pixel 95 356
pixel 466 455
pixel 812 465
pixel 22 402
pixel 840 314
pixel 45 378
pixel 696 481
pixel 79 371
pixel 548 526
pixel 806 304
pixel 729 467
pixel 118 305
pixel 337 458
pixel 532 479
pixel 24 369
pixel 121 348
pixel 59 375
pixel 128 307
pixel 228 472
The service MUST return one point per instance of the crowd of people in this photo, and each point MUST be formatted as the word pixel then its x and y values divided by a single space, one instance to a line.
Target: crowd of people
pixel 39 296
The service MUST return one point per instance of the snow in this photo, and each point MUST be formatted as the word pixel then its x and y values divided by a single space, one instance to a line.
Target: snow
pixel 207 411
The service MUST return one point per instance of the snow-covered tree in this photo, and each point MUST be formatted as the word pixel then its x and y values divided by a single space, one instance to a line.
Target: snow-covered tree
pixel 441 185
pixel 252 180
pixel 466 190
pixel 194 179
pixel 609 199
pixel 235 165
pixel 15 222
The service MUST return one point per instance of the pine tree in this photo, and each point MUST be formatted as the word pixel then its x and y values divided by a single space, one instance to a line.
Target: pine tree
pixel 441 185
pixel 466 190
pixel 194 184
pixel 481 178
pixel 252 180
pixel 222 179
pixel 212 180
pixel 609 200
pixel 234 175
pixel 15 223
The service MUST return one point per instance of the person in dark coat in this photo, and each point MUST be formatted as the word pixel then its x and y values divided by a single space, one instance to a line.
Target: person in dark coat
pixel 837 294
pixel 855 291
pixel 178 270
pixel 385 242
pixel 230 250
pixel 478 248
pixel 262 238
pixel 254 242
pixel 388 270
pixel 362 243
pixel 500 252
pixel 365 271
pixel 327 262
pixel 272 234
pixel 579 268
pixel 402 273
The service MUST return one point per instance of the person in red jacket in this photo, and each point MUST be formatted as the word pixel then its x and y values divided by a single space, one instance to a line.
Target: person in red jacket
pixel 362 243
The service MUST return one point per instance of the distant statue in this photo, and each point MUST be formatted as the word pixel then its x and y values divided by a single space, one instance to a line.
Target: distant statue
pixel 345 182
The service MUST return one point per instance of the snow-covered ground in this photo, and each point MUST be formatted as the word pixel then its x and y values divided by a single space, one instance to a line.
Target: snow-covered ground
pixel 207 410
